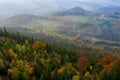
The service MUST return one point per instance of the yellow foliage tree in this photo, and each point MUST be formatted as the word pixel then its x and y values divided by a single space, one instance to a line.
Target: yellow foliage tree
pixel 39 45
pixel 21 67
pixel 14 73
pixel 87 75
pixel 12 53
pixel 61 70
pixel 68 68
pixel 25 68
pixel 76 77
pixel 18 46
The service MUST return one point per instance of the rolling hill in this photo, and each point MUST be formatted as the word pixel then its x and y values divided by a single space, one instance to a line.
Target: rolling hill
pixel 18 20
pixel 113 9
pixel 76 24
pixel 76 11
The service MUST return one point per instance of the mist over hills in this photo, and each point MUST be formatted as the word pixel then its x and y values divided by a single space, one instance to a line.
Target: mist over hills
pixel 11 8
pixel 59 40
pixel 17 20
pixel 111 9
pixel 74 11
pixel 75 24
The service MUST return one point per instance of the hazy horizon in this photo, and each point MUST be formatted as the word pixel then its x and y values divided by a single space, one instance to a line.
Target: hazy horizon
pixel 11 7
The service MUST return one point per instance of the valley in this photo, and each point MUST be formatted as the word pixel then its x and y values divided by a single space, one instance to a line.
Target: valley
pixel 59 40
pixel 75 25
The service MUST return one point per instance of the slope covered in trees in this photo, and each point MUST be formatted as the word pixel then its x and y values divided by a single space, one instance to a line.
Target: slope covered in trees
pixel 24 58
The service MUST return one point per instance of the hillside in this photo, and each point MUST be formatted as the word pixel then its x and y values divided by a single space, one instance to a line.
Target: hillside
pixel 76 25
pixel 76 11
pixel 22 57
pixel 18 20
pixel 59 39
pixel 112 9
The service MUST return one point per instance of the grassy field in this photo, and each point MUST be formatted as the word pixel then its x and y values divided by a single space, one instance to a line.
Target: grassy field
pixel 48 25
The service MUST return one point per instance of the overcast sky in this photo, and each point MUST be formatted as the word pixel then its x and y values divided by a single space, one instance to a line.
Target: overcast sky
pixel 111 2
pixel 17 6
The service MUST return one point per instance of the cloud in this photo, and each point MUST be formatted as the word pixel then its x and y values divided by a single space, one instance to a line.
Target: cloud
pixel 54 3
pixel 102 2
pixel 26 6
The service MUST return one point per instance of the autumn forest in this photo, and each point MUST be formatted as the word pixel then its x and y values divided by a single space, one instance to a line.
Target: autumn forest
pixel 59 39
pixel 25 58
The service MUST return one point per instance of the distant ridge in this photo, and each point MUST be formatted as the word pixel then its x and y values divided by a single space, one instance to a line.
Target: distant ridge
pixel 73 11
pixel 18 20
pixel 111 9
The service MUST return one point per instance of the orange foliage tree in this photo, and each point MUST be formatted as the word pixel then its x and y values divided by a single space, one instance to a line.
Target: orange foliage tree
pixel 107 61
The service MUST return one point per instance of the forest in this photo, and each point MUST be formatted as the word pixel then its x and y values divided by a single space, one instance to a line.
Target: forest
pixel 59 39
pixel 26 58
